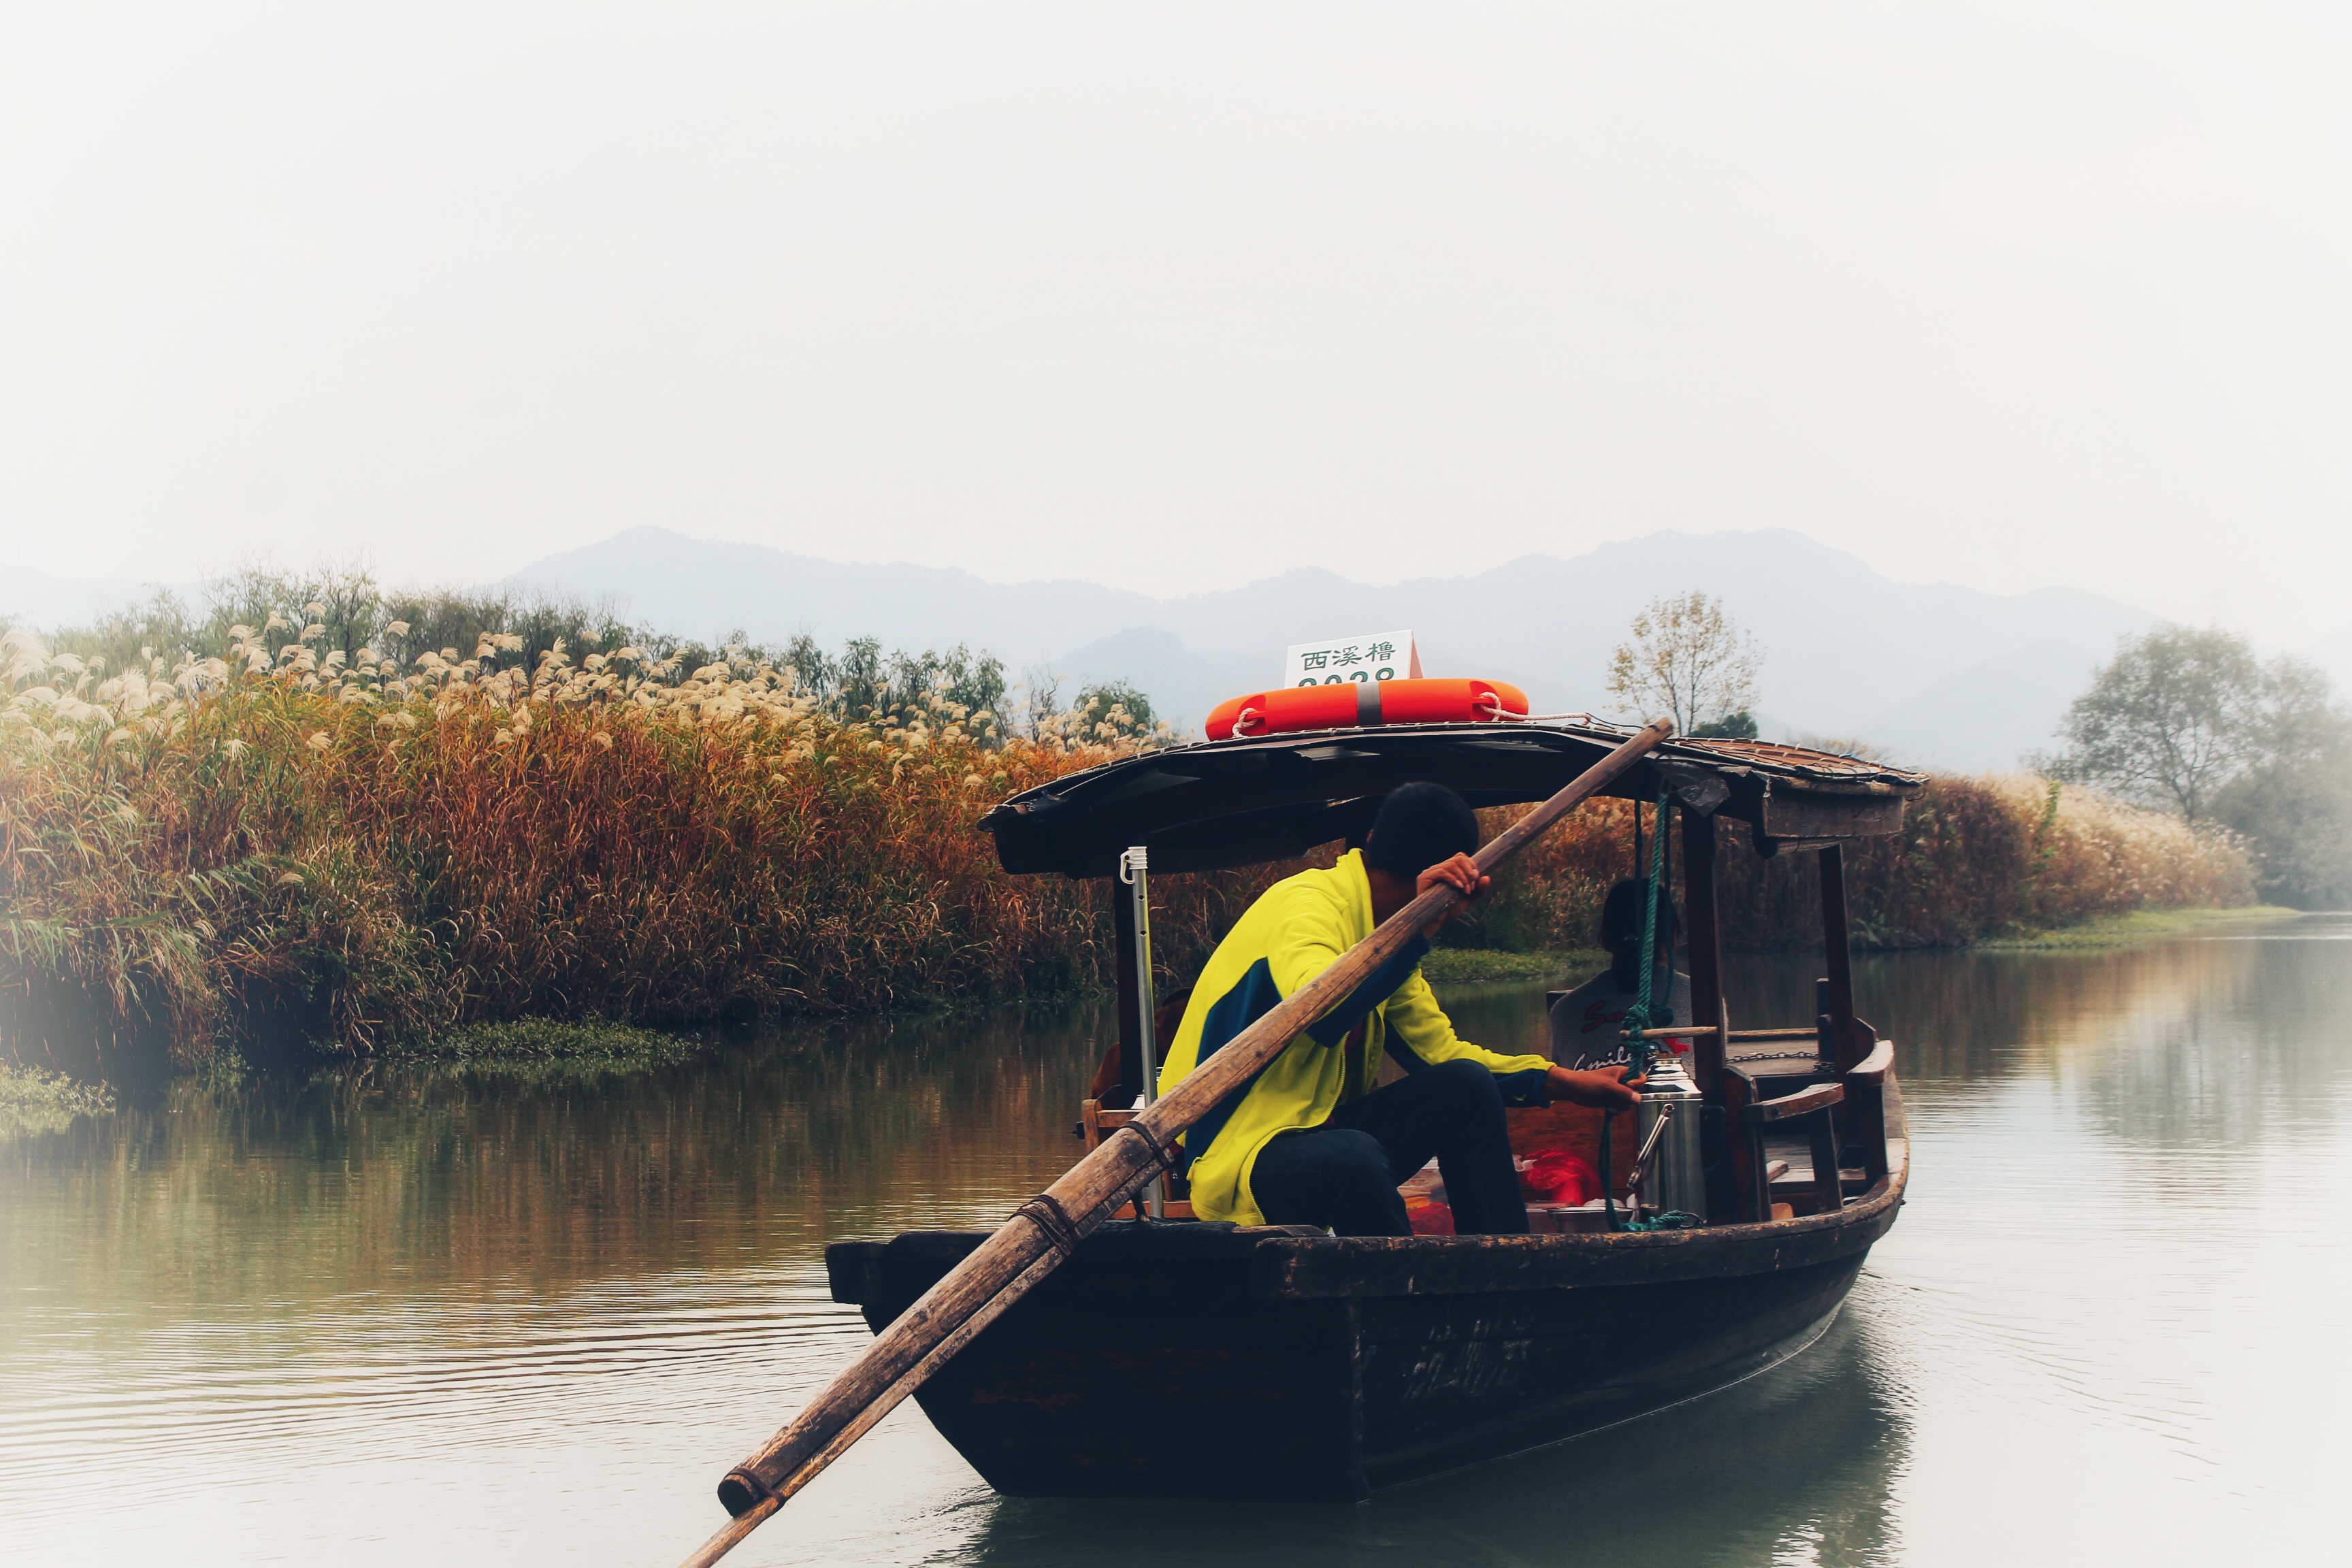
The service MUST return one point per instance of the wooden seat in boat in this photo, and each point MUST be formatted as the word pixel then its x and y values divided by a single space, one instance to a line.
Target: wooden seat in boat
pixel 1097 1122
pixel 1787 1130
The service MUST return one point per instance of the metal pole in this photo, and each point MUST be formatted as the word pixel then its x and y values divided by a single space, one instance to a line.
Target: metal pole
pixel 1649 1147
pixel 1133 870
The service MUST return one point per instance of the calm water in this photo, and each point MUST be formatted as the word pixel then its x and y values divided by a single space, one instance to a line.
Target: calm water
pixel 429 1319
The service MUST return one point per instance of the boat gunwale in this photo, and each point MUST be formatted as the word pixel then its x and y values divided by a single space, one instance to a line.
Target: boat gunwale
pixel 1302 1267
pixel 1874 1207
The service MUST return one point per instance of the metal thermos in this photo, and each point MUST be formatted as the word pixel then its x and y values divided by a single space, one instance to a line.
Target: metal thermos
pixel 1674 1177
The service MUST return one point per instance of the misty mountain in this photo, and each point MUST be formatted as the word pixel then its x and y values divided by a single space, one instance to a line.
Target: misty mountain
pixel 47 601
pixel 1182 684
pixel 1950 675
pixel 1986 715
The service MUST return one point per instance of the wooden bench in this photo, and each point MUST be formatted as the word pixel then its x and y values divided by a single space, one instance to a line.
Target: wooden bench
pixel 1812 1111
pixel 1857 1098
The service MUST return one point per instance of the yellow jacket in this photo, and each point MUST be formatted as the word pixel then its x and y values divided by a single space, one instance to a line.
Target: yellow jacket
pixel 1299 928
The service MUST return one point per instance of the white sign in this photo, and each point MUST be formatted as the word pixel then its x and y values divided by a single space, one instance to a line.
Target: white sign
pixel 1376 656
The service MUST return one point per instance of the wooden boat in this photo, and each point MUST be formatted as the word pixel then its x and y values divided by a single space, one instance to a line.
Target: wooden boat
pixel 1279 1361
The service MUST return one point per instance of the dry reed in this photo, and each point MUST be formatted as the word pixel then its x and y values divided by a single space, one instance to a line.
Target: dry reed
pixel 1977 857
pixel 286 844
pixel 297 847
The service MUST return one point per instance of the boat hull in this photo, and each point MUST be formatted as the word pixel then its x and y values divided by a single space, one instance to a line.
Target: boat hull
pixel 1182 1360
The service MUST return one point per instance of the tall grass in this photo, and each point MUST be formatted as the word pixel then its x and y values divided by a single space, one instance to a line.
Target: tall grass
pixel 1977 857
pixel 284 845
pixel 342 610
pixel 291 842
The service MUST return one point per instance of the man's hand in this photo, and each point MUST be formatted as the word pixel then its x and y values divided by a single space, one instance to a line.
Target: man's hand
pixel 1460 874
pixel 1603 1086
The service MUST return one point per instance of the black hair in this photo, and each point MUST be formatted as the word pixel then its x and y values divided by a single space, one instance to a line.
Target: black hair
pixel 1621 927
pixel 1420 825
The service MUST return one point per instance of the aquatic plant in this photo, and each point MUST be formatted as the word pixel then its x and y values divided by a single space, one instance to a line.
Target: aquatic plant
pixel 34 1101
pixel 546 1040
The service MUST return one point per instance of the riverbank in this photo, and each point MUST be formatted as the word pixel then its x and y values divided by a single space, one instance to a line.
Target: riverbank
pixel 1470 965
pixel 269 853
pixel 553 1052
pixel 1976 858
pixel 2142 926
pixel 283 853
pixel 592 1042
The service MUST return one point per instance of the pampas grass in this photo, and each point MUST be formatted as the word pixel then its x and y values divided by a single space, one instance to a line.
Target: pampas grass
pixel 284 845
pixel 1977 857
pixel 297 843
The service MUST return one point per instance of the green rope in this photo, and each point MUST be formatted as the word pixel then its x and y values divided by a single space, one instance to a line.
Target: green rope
pixel 1637 1018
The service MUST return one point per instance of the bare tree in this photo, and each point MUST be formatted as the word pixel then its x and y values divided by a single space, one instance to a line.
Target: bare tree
pixel 1040 702
pixel 1687 657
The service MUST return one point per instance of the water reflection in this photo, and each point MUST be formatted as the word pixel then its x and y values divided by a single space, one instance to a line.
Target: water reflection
pixel 458 1179
pixel 1796 1462
pixel 278 1283
pixel 373 1315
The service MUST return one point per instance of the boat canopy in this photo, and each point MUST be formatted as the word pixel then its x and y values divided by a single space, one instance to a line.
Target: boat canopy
pixel 1246 801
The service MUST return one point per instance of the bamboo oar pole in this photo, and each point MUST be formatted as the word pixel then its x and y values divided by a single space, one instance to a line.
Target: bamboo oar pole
pixel 1044 1231
pixel 736 1528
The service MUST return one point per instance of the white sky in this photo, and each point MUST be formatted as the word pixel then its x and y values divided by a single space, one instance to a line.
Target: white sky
pixel 1179 295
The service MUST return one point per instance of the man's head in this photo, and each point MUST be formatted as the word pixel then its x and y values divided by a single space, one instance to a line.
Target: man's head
pixel 1621 922
pixel 1419 825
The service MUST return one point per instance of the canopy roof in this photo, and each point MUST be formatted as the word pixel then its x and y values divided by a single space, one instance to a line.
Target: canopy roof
pixel 1244 801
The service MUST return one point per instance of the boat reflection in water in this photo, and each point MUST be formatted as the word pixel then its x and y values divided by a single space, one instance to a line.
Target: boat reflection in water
pixel 1798 1464
pixel 475 1319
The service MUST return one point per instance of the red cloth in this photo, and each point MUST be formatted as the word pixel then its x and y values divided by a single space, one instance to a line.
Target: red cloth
pixel 1555 1176
pixel 1433 1219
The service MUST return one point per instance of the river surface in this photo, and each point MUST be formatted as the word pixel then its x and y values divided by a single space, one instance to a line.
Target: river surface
pixel 436 1319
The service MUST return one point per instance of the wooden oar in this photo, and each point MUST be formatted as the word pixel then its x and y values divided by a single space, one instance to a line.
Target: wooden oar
pixel 1047 1228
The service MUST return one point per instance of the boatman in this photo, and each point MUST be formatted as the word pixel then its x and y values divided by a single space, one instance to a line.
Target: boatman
pixel 1309 1141
pixel 1588 1024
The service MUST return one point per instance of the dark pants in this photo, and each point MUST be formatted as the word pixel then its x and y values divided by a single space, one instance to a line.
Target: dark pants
pixel 1344 1173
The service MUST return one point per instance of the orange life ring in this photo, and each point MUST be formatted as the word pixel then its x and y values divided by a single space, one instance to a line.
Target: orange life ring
pixel 1347 705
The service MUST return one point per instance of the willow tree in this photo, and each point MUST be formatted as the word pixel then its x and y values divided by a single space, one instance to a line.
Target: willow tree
pixel 1684 656
pixel 2193 720
pixel 2178 714
pixel 2293 805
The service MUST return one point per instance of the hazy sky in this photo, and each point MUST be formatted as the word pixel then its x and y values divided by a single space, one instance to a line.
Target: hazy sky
pixel 1180 295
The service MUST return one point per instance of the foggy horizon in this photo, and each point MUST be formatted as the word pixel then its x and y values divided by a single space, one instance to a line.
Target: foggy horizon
pixel 1173 299
pixel 364 559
